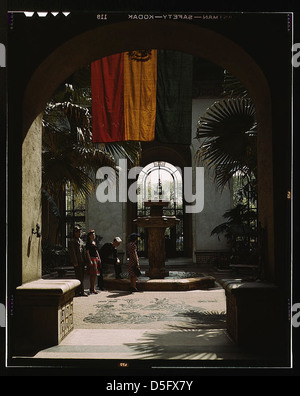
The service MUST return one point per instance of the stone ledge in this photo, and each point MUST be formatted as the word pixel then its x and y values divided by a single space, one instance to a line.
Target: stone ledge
pixel 43 313
pixel 48 286
pixel 239 286
pixel 255 313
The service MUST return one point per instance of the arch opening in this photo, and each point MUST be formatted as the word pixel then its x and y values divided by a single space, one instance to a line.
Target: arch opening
pixel 161 180
pixel 210 45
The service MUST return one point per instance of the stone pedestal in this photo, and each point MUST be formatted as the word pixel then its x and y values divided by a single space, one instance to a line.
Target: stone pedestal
pixel 156 253
pixel 43 314
pixel 256 315
pixel 156 224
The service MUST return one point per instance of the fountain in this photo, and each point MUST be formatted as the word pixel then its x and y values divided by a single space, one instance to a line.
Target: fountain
pixel 156 224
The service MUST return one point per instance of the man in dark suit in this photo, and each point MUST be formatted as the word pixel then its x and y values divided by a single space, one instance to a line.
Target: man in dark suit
pixel 77 258
pixel 109 255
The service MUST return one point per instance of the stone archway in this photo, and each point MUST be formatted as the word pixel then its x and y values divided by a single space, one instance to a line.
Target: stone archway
pixel 110 39
pixel 177 155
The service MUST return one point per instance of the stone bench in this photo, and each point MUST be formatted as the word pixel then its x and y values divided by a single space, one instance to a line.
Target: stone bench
pixel 243 267
pixel 255 313
pixel 43 313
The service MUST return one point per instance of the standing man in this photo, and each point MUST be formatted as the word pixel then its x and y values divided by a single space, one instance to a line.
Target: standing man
pixel 76 250
pixel 109 255
pixel 134 270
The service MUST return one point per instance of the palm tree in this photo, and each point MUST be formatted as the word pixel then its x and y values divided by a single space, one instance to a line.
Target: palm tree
pixel 240 230
pixel 69 156
pixel 227 133
pixel 68 151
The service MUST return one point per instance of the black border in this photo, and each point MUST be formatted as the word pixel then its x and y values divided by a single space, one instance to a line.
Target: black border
pixel 113 5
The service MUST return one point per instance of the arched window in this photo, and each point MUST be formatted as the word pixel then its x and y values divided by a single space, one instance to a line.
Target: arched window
pixel 161 180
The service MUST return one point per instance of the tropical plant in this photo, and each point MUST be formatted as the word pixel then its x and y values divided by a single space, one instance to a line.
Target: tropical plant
pixel 69 156
pixel 240 230
pixel 228 138
pixel 227 133
pixel 68 152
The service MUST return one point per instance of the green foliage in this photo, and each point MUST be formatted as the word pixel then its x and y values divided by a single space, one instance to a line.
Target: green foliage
pixel 228 138
pixel 240 230
pixel 68 152
pixel 69 155
pixel 228 133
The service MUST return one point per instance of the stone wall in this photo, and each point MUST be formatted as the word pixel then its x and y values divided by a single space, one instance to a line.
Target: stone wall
pixel 107 219
pixel 31 202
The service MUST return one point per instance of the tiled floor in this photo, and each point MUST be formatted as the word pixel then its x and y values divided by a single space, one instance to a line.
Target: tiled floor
pixel 116 325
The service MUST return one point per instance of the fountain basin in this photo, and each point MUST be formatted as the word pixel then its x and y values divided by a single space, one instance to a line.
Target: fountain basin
pixel 169 284
pixel 157 221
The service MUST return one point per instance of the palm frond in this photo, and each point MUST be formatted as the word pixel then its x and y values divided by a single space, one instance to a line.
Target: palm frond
pixel 68 151
pixel 233 87
pixel 238 222
pixel 129 150
pixel 227 134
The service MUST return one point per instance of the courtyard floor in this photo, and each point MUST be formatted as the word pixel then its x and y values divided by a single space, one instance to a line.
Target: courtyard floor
pixel 154 328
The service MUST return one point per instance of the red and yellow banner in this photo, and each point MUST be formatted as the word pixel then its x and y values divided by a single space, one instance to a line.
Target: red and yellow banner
pixel 124 98
pixel 142 99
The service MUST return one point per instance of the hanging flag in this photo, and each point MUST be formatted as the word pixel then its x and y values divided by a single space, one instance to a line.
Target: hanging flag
pixel 174 97
pixel 123 98
pixel 142 100
pixel 107 83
